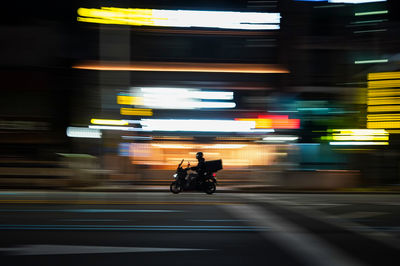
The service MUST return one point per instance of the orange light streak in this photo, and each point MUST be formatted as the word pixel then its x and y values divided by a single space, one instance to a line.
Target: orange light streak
pixel 185 67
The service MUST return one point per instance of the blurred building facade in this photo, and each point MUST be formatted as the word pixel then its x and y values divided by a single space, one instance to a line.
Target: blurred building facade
pixel 315 72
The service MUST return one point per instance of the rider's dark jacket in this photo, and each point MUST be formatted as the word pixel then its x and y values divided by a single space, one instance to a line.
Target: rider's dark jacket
pixel 200 168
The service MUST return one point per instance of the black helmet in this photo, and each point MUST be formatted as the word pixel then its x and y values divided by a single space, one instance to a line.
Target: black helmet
pixel 199 155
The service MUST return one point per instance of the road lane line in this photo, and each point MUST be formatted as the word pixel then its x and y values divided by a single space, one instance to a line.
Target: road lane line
pixel 366 231
pixel 72 249
pixel 91 210
pixel 118 211
pixel 101 202
pixel 91 220
pixel 131 227
pixel 134 229
pixel 309 248
pixel 222 221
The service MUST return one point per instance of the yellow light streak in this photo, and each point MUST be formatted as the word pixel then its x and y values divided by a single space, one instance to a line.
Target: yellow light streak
pixel 389 124
pixel 110 15
pixel 185 67
pixel 359 138
pixel 384 93
pixel 359 132
pixel 383 117
pixel 136 111
pixel 351 143
pixel 383 84
pixel 384 108
pixel 384 101
pixel 129 100
pixel 108 122
pixel 384 75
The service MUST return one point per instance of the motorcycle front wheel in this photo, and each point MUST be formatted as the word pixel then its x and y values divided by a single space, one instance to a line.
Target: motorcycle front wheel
pixel 175 187
pixel 209 187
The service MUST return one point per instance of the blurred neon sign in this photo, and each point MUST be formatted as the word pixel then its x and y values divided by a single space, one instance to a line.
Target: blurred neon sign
pixel 273 121
pixel 383 100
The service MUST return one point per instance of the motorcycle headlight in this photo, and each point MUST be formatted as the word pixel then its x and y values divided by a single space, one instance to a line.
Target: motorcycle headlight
pixel 175 175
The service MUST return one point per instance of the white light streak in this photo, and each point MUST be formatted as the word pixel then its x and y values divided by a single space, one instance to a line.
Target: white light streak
pixel 200 105
pixel 212 95
pixel 83 132
pixel 188 93
pixel 225 146
pixel 183 98
pixel 371 61
pixel 181 18
pixel 218 19
pixel 280 138
pixel 197 125
pixel 115 128
pixel 170 102
pixel 132 121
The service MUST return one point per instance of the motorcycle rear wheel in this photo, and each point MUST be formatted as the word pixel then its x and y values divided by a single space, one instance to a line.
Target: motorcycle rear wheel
pixel 175 187
pixel 209 187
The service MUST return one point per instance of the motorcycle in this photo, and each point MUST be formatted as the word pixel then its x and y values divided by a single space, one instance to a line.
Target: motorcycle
pixel 187 182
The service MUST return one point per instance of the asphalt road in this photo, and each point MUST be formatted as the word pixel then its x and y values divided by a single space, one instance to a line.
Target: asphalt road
pixel 78 228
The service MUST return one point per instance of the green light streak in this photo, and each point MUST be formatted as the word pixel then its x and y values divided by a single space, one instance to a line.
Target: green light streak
pixel 369 21
pixel 371 13
pixel 365 31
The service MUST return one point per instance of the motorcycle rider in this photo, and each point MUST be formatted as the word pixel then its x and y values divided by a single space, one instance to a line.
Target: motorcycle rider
pixel 200 168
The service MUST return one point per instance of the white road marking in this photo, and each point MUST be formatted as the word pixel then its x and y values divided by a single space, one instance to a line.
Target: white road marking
pixel 301 243
pixel 91 220
pixel 222 221
pixel 72 249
